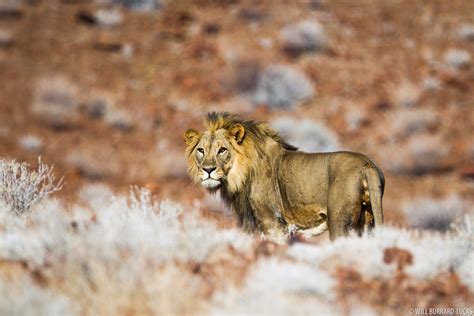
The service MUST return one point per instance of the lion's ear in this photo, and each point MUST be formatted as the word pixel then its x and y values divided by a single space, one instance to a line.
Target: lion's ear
pixel 190 136
pixel 237 131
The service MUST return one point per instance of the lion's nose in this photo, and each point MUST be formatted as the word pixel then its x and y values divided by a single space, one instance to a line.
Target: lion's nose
pixel 209 170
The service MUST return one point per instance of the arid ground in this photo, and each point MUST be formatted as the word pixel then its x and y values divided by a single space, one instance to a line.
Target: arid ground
pixel 104 90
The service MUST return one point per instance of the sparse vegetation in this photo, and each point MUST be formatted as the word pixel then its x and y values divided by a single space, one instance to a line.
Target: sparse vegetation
pixel 21 187
pixel 307 135
pixel 281 86
pixel 103 89
pixel 304 36
pixel 426 213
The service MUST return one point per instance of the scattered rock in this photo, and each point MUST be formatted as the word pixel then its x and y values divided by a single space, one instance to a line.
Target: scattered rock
pixel 457 58
pixel 94 164
pixel 119 119
pixel 467 172
pixel 466 32
pixel 434 214
pixel 56 102
pixel 6 38
pixel 266 42
pixel 407 94
pixel 127 51
pixel 431 84
pixel 140 5
pixel 108 17
pixel 10 10
pixel 354 118
pixel 307 135
pixel 30 143
pixel 252 15
pixel 211 28
pixel 96 108
pixel 305 36
pixel 101 17
pixel 246 74
pixel 406 122
pixel 107 42
pixel 422 154
pixel 281 86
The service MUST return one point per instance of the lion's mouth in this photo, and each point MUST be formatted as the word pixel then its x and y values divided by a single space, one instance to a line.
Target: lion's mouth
pixel 211 183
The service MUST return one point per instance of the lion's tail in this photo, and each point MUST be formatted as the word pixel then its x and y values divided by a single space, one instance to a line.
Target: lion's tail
pixel 376 186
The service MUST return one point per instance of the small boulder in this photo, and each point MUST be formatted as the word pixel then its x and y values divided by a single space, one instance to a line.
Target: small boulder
pixel 305 36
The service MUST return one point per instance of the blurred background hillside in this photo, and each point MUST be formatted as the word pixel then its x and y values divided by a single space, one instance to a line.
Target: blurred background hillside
pixel 104 89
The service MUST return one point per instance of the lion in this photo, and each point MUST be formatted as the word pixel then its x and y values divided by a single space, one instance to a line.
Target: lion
pixel 277 190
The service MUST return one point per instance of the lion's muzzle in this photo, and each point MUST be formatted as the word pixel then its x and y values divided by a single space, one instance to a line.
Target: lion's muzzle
pixel 209 178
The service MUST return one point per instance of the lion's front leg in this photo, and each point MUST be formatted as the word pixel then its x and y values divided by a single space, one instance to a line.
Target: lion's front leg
pixel 274 230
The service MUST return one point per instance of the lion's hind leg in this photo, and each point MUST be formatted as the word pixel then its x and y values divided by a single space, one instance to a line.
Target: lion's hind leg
pixel 344 209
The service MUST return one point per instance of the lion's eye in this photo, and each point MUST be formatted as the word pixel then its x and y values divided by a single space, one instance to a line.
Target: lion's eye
pixel 222 150
pixel 200 150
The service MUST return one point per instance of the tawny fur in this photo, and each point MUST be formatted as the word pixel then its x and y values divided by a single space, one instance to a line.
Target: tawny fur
pixel 272 186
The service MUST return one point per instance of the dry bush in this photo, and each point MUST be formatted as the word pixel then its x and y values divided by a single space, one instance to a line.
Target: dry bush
pixel 119 255
pixel 30 142
pixel 433 253
pixel 24 297
pixel 281 86
pixel 457 58
pixel 304 36
pixel 307 135
pixel 56 101
pixel 276 287
pixel 433 214
pixel 421 154
pixel 140 5
pixel 406 122
pixel 466 32
pixel 21 187
pixel 406 94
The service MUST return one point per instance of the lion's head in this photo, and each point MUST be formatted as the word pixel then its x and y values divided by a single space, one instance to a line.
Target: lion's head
pixel 225 153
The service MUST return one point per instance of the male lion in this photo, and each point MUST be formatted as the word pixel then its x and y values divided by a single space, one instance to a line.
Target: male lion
pixel 276 189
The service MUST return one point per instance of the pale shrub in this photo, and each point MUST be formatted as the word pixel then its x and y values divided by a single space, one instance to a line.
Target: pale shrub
pixel 434 214
pixel 276 287
pixel 457 58
pixel 307 135
pixel 23 297
pixel 433 253
pixel 21 187
pixel 117 250
pixel 56 101
pixel 304 36
pixel 30 142
pixel 281 86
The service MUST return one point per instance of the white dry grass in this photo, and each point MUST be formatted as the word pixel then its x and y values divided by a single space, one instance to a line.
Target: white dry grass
pixel 433 253
pixel 275 287
pixel 119 251
pixel 22 297
pixel 114 255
